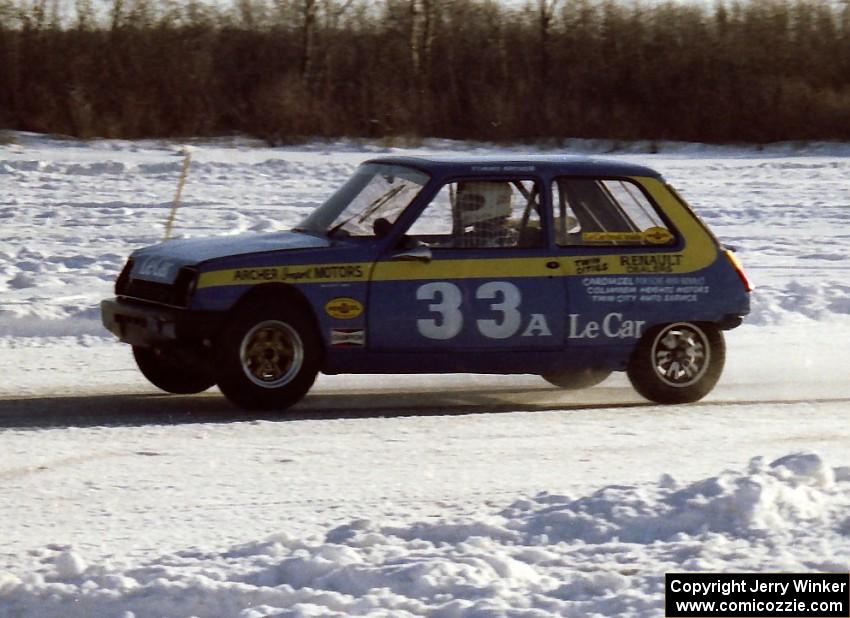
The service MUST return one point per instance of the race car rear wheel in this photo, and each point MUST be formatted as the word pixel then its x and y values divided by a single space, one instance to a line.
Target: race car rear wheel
pixel 268 357
pixel 167 372
pixel 678 363
pixel 576 379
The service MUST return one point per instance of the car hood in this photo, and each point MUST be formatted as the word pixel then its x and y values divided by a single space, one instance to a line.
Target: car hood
pixel 162 262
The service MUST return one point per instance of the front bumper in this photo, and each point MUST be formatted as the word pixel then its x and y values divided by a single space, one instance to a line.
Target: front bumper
pixel 149 325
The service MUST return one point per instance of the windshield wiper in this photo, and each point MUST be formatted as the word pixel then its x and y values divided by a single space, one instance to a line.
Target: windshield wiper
pixel 371 209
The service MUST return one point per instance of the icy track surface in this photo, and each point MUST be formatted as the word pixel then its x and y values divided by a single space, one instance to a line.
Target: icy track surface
pixel 408 496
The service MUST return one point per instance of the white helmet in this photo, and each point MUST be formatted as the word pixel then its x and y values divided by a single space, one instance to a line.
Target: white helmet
pixel 483 201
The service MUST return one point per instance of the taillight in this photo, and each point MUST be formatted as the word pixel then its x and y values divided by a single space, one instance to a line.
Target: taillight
pixel 736 264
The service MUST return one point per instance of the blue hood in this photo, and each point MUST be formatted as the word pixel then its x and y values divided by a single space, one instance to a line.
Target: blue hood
pixel 162 262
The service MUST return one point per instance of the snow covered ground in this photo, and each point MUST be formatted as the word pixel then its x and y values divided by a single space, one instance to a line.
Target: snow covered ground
pixel 442 495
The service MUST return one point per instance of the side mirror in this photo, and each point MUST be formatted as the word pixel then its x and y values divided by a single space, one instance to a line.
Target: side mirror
pixel 416 254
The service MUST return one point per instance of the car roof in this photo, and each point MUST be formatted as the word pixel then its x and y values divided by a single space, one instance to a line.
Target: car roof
pixel 573 165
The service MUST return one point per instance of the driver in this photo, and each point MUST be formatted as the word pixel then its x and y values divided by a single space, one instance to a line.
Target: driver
pixel 482 213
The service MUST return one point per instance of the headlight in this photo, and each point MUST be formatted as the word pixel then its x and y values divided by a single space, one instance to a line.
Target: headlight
pixel 185 285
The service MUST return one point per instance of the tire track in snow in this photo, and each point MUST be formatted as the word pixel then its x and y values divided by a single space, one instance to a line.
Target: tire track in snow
pixel 145 409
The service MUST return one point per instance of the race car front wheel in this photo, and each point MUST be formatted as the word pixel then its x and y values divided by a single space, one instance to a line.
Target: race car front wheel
pixel 677 363
pixel 267 357
pixel 166 372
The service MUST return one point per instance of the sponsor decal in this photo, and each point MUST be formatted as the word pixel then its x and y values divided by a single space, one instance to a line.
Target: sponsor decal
pixel 612 237
pixel 343 308
pixel 679 289
pixel 290 273
pixel 646 289
pixel 255 274
pixel 348 337
pixel 610 289
pixel 503 168
pixel 590 265
pixel 155 267
pixel 652 236
pixel 612 326
pixel 658 236
pixel 322 272
pixel 660 263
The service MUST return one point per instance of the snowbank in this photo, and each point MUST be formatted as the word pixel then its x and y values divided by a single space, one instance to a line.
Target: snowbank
pixel 600 554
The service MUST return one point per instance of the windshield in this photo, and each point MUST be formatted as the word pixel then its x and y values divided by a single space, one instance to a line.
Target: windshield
pixel 375 191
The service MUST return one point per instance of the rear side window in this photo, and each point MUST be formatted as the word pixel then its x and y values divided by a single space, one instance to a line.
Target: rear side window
pixel 605 212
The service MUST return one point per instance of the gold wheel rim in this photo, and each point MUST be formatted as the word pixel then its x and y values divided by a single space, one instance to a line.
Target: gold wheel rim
pixel 271 354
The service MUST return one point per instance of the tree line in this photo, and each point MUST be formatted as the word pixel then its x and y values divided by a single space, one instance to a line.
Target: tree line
pixel 285 70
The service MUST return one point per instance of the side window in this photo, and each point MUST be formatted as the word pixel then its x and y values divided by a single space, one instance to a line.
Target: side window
pixel 482 213
pixel 605 212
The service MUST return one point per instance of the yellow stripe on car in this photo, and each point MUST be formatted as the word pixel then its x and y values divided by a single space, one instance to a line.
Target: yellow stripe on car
pixel 288 273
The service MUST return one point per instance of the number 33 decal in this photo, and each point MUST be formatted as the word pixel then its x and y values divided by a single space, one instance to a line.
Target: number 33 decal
pixel 447 299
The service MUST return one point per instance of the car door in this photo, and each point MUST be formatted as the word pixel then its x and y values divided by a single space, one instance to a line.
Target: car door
pixel 473 272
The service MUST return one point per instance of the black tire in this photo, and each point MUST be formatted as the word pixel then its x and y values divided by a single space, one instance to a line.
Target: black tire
pixel 268 357
pixel 577 379
pixel 678 363
pixel 168 373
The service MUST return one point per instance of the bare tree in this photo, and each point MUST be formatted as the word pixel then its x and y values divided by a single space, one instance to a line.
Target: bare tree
pixel 423 14
pixel 545 13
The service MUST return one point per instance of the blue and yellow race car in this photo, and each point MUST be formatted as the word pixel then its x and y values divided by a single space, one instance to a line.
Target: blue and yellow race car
pixel 566 267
